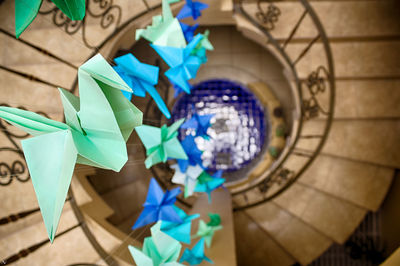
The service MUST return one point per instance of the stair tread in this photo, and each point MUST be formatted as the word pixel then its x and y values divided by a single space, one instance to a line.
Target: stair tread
pixel 303 242
pixel 363 184
pixel 333 217
pixel 370 141
pixel 339 19
pixel 256 247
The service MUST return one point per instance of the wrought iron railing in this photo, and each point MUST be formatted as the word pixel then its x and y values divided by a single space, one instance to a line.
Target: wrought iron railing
pixel 316 95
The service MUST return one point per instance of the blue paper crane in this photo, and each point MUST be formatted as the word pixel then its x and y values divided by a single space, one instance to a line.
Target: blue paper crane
pixel 183 65
pixel 200 123
pixel 158 206
pixel 141 78
pixel 193 153
pixel 188 31
pixel 191 9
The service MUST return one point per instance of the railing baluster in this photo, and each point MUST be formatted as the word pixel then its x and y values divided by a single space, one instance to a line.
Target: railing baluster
pixel 302 54
pixel 29 77
pixel 15 217
pixel 25 252
pixel 37 48
pixel 294 30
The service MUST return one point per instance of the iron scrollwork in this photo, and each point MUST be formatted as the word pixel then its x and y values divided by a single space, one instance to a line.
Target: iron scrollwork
pixel 269 16
pixel 108 13
pixel 282 176
pixel 16 169
pixel 315 85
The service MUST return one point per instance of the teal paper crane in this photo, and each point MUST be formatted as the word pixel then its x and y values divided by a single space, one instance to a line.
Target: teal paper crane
pixel 98 124
pixel 27 10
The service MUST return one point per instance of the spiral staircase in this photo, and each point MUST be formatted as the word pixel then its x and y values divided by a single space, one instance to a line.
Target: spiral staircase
pixel 331 66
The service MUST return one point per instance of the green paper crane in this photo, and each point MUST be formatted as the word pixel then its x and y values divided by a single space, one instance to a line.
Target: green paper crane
pixel 98 124
pixel 207 232
pixel 165 29
pixel 27 10
pixel 161 143
pixel 215 219
pixel 203 46
pixel 158 250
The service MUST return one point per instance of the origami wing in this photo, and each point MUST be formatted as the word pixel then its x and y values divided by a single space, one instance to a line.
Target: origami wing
pixel 188 31
pixel 191 9
pixel 177 76
pixel 139 257
pixel 25 13
pixel 173 149
pixel 167 247
pixel 151 138
pixel 30 122
pixel 154 200
pixel 173 56
pixel 51 160
pixel 198 251
pixel 74 9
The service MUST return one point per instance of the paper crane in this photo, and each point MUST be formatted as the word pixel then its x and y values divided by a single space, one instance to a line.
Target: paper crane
pixel 215 219
pixel 192 152
pixel 188 31
pixel 196 255
pixel 202 47
pixel 158 250
pixel 200 123
pixel 207 232
pixel 183 65
pixel 161 143
pixel 179 231
pixel 191 9
pixel 141 78
pixel 158 206
pixel 207 183
pixel 94 134
pixel 188 178
pixel 165 29
pixel 27 10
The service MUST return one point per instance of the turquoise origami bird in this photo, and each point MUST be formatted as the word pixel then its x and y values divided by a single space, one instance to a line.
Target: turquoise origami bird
pixel 207 183
pixel 183 65
pixel 161 143
pixel 158 250
pixel 179 231
pixel 165 29
pixel 27 10
pixel 98 124
pixel 207 232
pixel 142 78
pixel 195 256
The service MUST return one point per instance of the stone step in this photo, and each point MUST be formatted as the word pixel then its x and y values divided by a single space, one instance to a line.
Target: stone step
pixel 340 19
pixel 369 141
pixel 66 249
pixel 255 246
pixel 362 184
pixel 33 96
pixel 355 60
pixel 300 240
pixel 331 216
pixel 367 99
